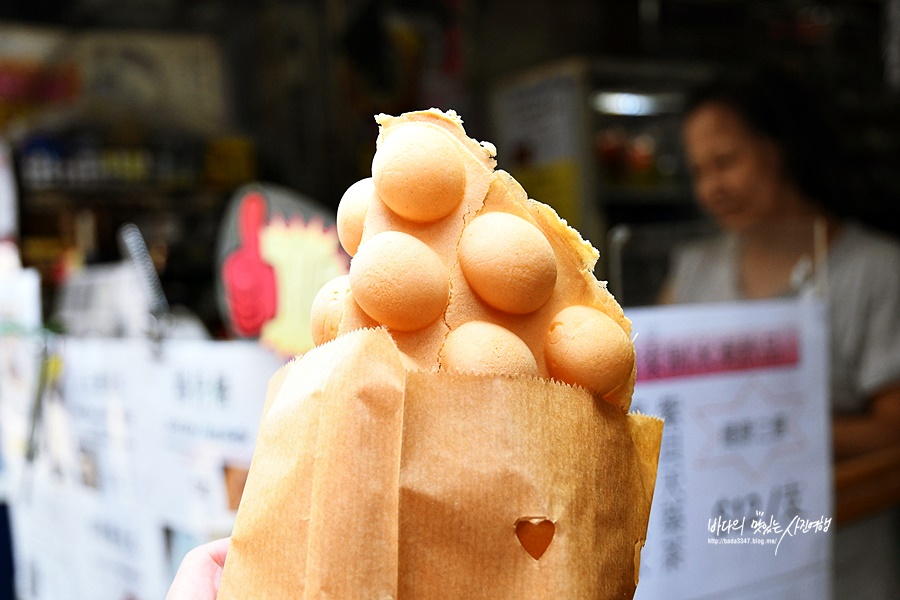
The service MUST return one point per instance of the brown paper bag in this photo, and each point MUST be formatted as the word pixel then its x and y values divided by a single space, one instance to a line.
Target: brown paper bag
pixel 371 482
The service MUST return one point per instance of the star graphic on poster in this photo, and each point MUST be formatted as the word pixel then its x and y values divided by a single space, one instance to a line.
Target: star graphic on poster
pixel 756 428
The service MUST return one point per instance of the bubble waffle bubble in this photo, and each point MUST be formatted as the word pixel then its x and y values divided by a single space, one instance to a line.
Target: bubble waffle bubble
pixel 467 272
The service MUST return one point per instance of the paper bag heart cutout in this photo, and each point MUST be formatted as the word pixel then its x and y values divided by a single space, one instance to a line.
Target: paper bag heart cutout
pixel 535 535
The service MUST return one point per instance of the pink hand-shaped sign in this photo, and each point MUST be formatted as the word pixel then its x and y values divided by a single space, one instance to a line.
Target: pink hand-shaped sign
pixel 249 280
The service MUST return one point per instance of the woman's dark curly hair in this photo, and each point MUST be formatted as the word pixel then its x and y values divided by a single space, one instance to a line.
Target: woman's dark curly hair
pixel 796 117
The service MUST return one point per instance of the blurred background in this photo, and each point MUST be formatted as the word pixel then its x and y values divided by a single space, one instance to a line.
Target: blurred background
pixel 155 111
pixel 198 121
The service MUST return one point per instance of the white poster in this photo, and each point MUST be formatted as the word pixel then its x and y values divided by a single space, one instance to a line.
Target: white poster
pixel 120 549
pixel 141 453
pixel 117 538
pixel 199 418
pixel 20 352
pixel 43 512
pixel 20 362
pixel 43 521
pixel 743 504
pixel 540 124
pixel 539 117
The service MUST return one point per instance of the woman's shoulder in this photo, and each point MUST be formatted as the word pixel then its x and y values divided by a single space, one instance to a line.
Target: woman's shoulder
pixel 859 245
pixel 865 260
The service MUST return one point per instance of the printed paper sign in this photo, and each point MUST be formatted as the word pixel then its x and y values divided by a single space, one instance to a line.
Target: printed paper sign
pixel 198 428
pixel 539 129
pixel 20 349
pixel 43 519
pixel 142 452
pixel 88 439
pixel 743 503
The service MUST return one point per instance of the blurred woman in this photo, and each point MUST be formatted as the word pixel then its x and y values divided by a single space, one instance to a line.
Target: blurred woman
pixel 764 168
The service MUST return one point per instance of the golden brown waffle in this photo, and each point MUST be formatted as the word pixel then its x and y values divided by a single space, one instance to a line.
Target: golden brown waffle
pixel 466 272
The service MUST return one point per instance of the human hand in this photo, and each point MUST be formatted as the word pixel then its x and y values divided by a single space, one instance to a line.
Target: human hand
pixel 200 572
